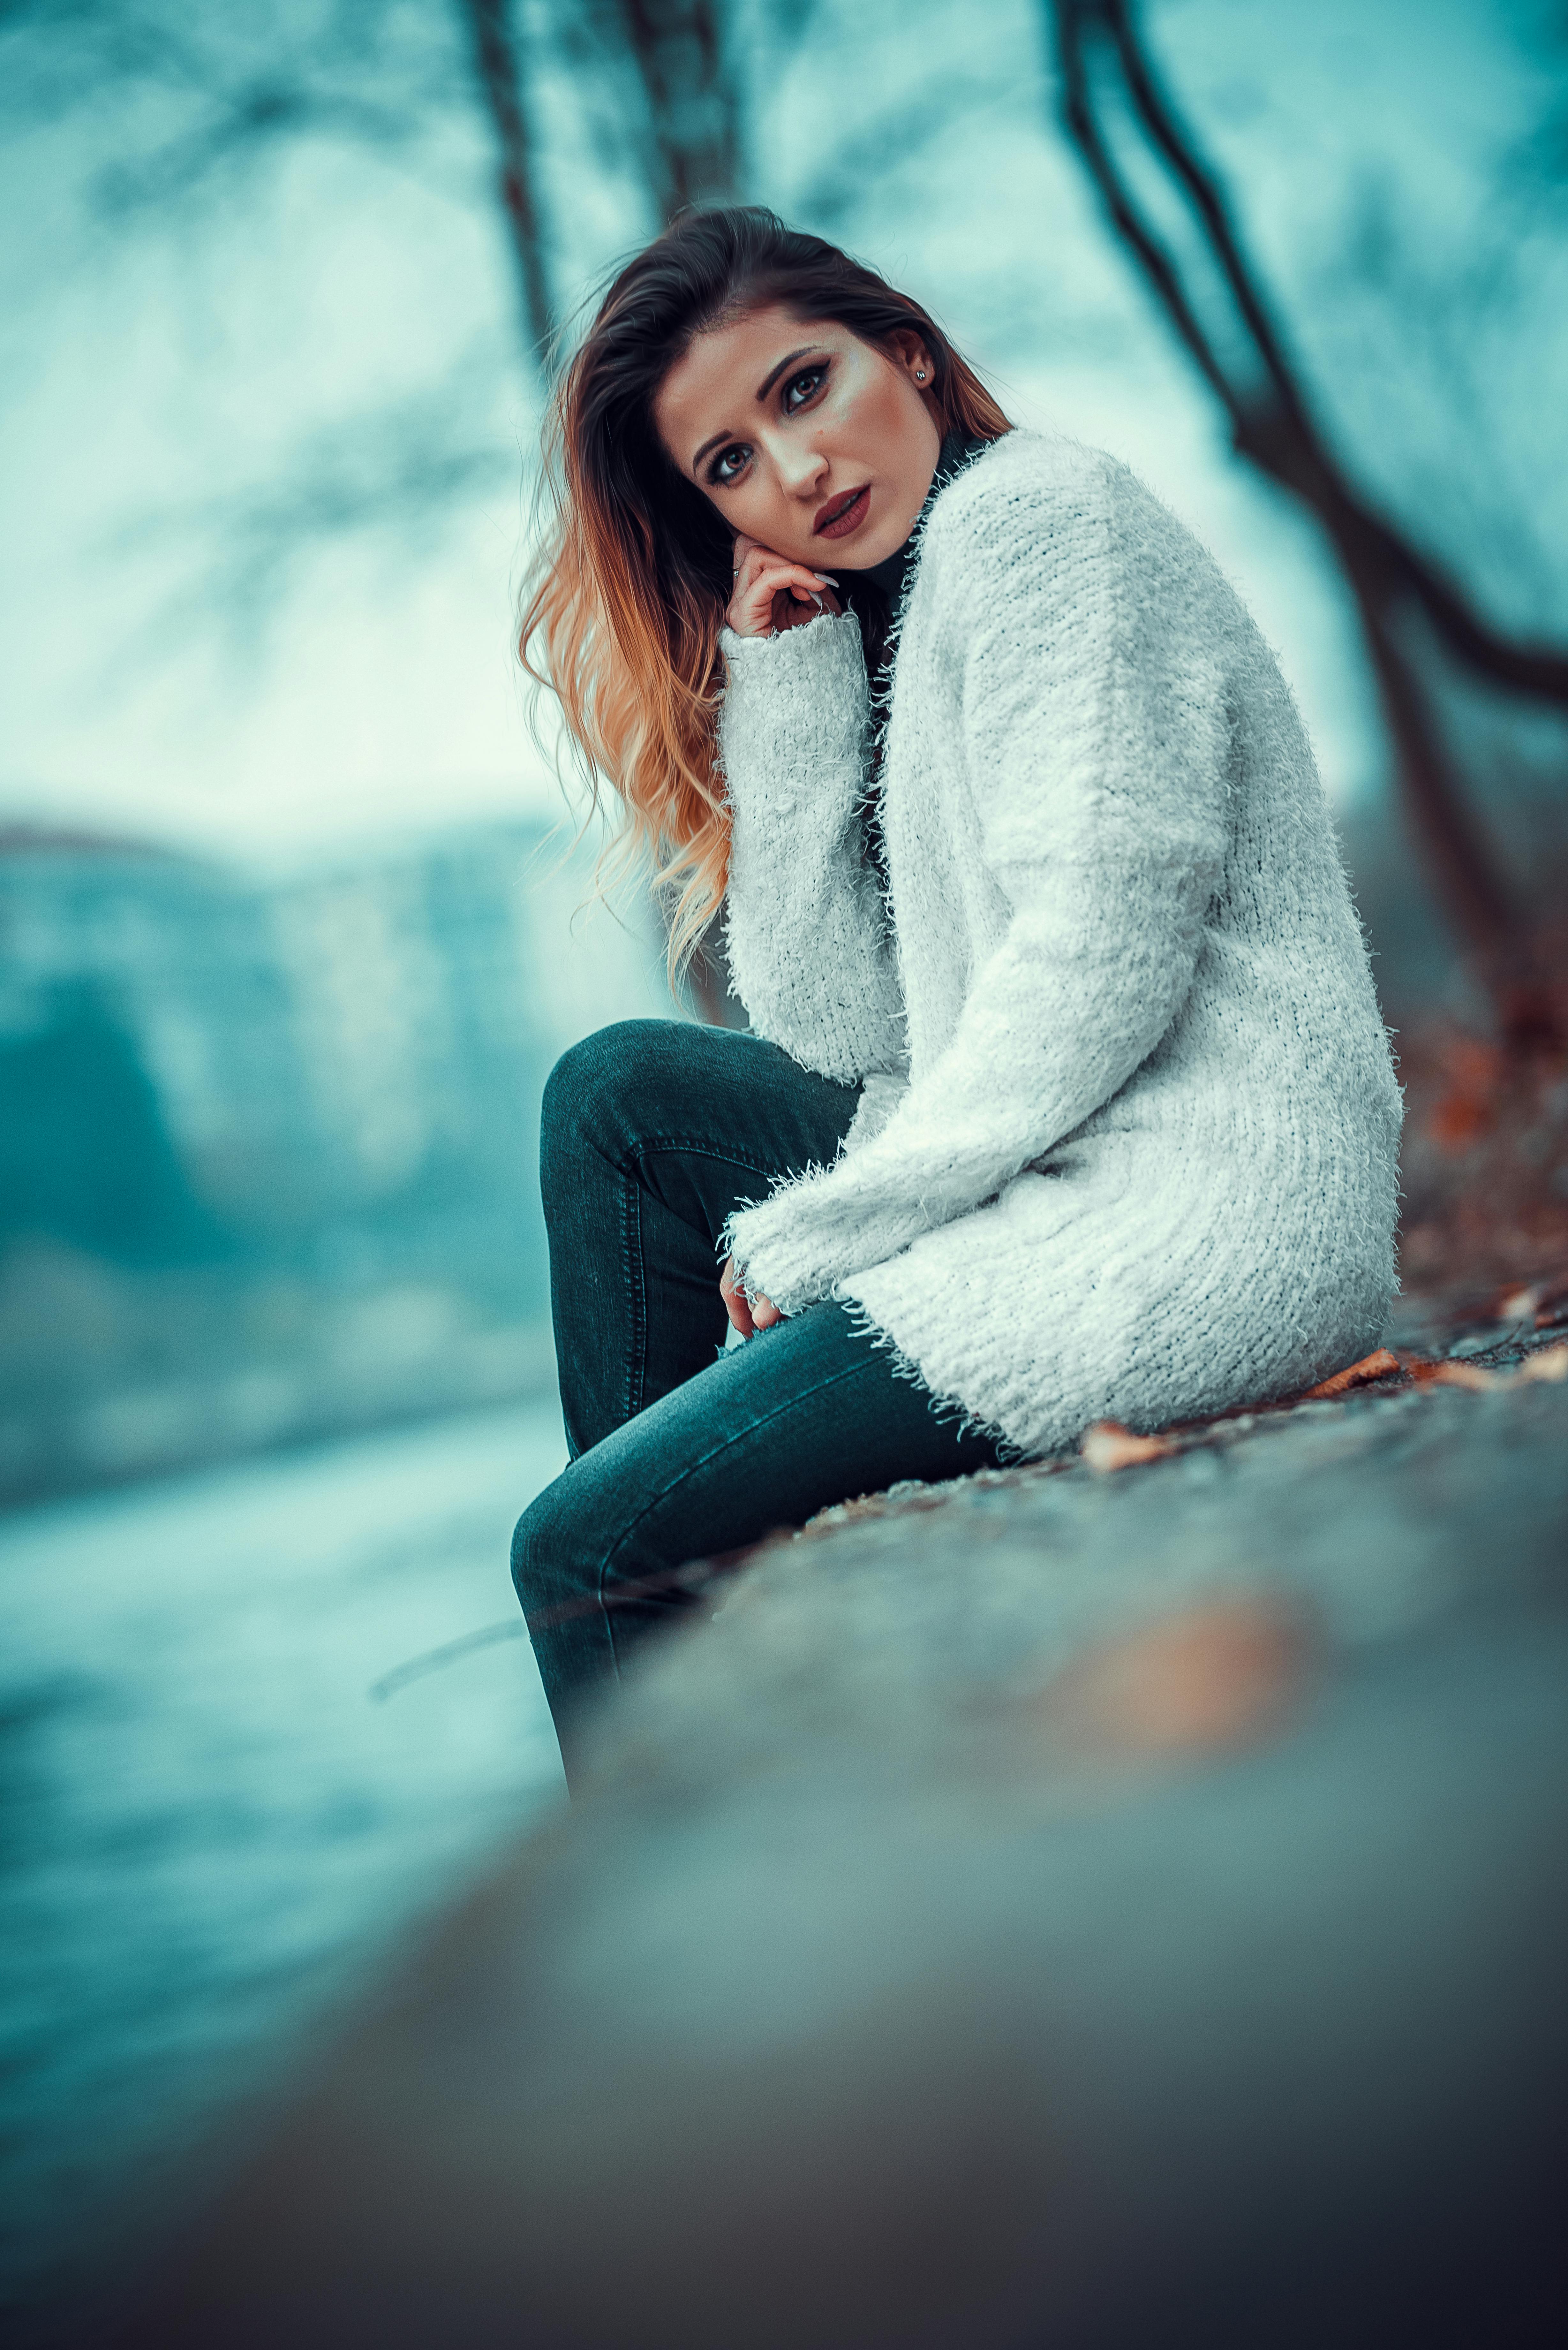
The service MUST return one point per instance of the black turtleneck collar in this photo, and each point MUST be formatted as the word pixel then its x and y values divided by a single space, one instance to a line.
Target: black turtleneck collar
pixel 887 578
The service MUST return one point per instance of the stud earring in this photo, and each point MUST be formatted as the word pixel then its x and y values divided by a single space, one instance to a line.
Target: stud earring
pixel 920 375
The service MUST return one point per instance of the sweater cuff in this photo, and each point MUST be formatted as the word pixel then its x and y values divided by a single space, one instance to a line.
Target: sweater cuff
pixel 796 699
pixel 833 638
pixel 796 1246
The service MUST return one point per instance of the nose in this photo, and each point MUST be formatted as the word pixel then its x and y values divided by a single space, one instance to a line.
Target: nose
pixel 801 469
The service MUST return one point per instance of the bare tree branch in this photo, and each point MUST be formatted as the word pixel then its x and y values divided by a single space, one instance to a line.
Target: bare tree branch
pixel 1534 670
pixel 683 60
pixel 951 101
pixel 200 92
pixel 1394 583
pixel 498 62
pixel 402 468
pixel 361 72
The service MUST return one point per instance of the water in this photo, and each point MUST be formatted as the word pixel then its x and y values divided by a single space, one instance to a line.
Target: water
pixel 211 1829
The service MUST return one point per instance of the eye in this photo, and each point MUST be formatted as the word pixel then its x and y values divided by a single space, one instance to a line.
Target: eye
pixel 800 387
pixel 729 464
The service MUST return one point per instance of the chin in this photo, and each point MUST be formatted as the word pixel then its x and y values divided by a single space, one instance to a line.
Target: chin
pixel 872 552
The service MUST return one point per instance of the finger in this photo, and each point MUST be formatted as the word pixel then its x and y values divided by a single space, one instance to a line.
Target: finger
pixel 770 590
pixel 755 581
pixel 823 597
pixel 754 563
pixel 767 560
pixel 765 1313
pixel 736 1305
pixel 778 575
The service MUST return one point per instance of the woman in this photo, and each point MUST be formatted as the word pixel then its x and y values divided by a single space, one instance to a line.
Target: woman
pixel 1066 1095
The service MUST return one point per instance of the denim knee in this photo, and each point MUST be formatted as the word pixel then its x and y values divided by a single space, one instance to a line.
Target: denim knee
pixel 614 1089
pixel 590 1092
pixel 552 1553
pixel 588 1074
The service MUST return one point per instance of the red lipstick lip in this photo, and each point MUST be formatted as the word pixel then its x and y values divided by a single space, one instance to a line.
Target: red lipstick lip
pixel 840 515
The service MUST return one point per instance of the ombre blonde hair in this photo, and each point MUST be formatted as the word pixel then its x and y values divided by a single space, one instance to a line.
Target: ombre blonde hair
pixel 627 592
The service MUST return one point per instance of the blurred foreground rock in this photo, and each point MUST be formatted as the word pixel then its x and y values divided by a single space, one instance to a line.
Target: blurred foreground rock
pixel 1075 1908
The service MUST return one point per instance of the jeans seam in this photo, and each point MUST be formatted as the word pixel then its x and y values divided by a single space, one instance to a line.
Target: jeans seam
pixel 637 1298
pixel 737 1437
pixel 655 1142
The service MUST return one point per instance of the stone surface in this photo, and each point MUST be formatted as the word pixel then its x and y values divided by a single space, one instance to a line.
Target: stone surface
pixel 1093 1909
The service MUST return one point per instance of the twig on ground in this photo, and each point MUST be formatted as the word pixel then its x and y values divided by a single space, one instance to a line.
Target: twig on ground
pixel 432 1660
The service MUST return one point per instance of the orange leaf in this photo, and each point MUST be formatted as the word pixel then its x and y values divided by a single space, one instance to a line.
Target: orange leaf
pixel 1473 1064
pixel 1474 1376
pixel 1221 1673
pixel 1458 1120
pixel 1553 1295
pixel 1108 1445
pixel 1355 1375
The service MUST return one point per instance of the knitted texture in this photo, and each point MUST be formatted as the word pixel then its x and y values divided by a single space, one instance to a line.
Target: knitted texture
pixel 808 948
pixel 1129 1148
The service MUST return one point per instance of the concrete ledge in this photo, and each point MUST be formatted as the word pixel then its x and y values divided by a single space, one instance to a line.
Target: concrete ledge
pixel 1065 1908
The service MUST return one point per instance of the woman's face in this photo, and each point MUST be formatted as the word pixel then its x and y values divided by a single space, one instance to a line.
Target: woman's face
pixel 805 439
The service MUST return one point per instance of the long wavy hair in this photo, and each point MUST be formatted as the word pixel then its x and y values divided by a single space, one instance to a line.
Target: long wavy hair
pixel 627 591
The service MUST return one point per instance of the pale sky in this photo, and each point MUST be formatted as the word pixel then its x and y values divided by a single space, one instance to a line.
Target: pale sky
pixel 147 376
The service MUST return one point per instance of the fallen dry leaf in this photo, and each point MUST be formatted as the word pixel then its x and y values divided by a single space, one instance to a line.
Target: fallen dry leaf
pixel 1473 1376
pixel 1355 1375
pixel 1459 1120
pixel 1223 1673
pixel 1468 1107
pixel 1108 1445
pixel 1550 1364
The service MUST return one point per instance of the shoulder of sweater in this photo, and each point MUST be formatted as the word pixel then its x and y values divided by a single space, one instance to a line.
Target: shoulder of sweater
pixel 1033 467
pixel 1030 480
pixel 1040 515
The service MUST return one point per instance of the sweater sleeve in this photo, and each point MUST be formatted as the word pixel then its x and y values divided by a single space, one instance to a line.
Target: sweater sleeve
pixel 805 930
pixel 1096 753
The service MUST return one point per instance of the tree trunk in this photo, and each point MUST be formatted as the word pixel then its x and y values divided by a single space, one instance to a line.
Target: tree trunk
pixel 693 105
pixel 498 66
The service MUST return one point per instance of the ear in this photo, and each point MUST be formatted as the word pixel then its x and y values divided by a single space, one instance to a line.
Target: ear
pixel 909 352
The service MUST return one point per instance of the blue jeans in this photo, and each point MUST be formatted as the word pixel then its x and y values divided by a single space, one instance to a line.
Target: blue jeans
pixel 652 1131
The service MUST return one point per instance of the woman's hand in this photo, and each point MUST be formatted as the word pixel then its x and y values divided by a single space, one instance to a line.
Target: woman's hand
pixel 745 1316
pixel 771 592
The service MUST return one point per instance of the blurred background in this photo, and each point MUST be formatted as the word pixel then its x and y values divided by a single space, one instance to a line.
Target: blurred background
pixel 294 917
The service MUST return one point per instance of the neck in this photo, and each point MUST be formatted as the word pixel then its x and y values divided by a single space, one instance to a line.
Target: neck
pixel 886 578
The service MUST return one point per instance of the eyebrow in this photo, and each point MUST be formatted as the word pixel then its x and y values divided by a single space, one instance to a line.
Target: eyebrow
pixel 766 385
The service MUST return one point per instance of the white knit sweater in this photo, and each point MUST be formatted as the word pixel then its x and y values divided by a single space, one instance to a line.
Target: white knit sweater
pixel 1127 1142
